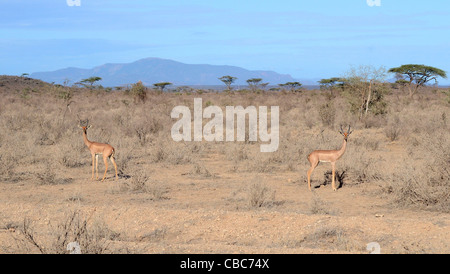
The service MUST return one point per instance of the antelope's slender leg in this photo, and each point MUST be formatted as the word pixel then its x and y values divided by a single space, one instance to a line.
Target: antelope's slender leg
pixel 105 159
pixel 96 166
pixel 310 171
pixel 115 166
pixel 93 163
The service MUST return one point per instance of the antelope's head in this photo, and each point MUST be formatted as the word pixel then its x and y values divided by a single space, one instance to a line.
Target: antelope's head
pixel 346 133
pixel 84 124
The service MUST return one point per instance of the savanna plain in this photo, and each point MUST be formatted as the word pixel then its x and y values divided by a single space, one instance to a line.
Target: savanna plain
pixel 221 197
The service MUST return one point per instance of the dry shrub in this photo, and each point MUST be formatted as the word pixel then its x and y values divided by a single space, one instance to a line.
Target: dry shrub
pixel 47 176
pixel 145 129
pixel 141 182
pixel 77 230
pixel 72 152
pixel 157 235
pixel 174 153
pixel 236 152
pixel 199 169
pixel 393 129
pixel 259 195
pixel 327 113
pixel 321 207
pixel 423 179
pixel 139 92
pixel 262 164
pixel 91 237
pixel 331 236
pixel 7 166
pixel 412 187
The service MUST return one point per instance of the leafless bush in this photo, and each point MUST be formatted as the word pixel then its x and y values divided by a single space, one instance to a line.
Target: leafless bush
pixel 331 236
pixel 259 195
pixel 392 132
pixel 7 166
pixel 421 180
pixel 155 236
pixel 200 170
pixel 358 167
pixel 415 187
pixel 47 175
pixel 236 152
pixel 140 182
pixel 145 128
pixel 319 206
pixel 90 237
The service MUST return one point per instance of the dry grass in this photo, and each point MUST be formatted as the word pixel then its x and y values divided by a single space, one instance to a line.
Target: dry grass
pixel 405 152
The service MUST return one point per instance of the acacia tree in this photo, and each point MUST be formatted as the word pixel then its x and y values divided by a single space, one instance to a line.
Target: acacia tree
pixel 254 83
pixel 330 83
pixel 162 85
pixel 294 86
pixel 228 80
pixel 90 81
pixel 418 75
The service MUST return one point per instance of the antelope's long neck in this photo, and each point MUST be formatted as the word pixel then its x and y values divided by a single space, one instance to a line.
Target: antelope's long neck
pixel 85 139
pixel 344 146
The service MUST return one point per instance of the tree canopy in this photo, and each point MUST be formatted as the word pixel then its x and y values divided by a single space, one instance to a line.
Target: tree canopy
pixel 294 86
pixel 255 84
pixel 162 85
pixel 331 82
pixel 91 81
pixel 228 80
pixel 418 75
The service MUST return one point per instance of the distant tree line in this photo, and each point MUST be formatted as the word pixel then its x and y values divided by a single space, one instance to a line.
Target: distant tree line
pixel 364 87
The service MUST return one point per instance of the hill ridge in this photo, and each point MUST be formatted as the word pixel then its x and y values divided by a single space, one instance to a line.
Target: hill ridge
pixel 152 70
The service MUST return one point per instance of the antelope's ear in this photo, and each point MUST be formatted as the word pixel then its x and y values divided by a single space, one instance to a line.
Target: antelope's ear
pixel 80 126
pixel 88 126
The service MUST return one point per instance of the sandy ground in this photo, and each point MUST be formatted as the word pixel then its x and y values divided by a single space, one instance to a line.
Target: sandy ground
pixel 212 214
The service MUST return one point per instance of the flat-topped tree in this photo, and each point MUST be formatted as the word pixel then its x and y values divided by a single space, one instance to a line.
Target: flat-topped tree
pixel 162 85
pixel 418 75
pixel 293 86
pixel 330 83
pixel 228 80
pixel 90 81
pixel 255 84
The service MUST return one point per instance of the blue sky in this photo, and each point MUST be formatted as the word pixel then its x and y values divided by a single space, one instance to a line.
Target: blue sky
pixel 306 39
